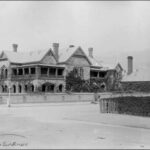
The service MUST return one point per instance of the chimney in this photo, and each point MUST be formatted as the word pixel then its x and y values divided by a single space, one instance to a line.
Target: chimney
pixel 90 52
pixel 56 50
pixel 130 65
pixel 15 46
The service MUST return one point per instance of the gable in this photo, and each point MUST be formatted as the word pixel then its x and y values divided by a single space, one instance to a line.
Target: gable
pixel 3 56
pixel 78 58
pixel 49 59
pixel 118 68
pixel 79 52
pixel 78 61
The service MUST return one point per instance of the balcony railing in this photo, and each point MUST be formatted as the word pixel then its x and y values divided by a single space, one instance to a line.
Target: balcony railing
pixel 30 76
pixel 93 77
pixel 33 76
pixel 50 76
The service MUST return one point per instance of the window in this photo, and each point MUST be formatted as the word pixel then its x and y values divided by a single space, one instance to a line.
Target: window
pixel 19 88
pixel 93 73
pixel 78 71
pixel 5 73
pixel 60 72
pixel 26 71
pixel 32 70
pixel 102 74
pixel 52 71
pixel 14 71
pixel 20 71
pixel 81 72
pixel 44 70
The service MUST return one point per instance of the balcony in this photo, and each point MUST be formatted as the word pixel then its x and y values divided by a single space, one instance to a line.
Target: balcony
pixel 46 76
pixel 25 77
pixel 34 76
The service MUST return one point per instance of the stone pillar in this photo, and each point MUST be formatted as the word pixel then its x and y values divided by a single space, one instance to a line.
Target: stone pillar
pixel 23 88
pixel 56 73
pixel 17 71
pixel 97 74
pixel 17 88
pixel 55 88
pixel 23 72
pixel 104 106
pixel 29 70
pixel 47 71
pixel 37 72
pixel 101 105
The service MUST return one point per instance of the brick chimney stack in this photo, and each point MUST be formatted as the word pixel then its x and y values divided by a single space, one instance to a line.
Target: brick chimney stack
pixel 15 46
pixel 56 50
pixel 90 52
pixel 130 65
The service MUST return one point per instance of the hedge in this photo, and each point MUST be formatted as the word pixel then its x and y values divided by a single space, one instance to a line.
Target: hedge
pixel 139 106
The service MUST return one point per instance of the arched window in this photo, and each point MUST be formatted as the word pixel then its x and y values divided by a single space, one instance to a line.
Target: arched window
pixel 26 88
pixel 43 88
pixel 32 88
pixel 2 73
pixel 60 87
pixel 19 88
pixel 14 89
pixel 81 72
pixel 5 73
pixel 48 87
pixel 5 88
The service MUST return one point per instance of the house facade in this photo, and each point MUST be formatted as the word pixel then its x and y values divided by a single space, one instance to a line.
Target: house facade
pixel 46 70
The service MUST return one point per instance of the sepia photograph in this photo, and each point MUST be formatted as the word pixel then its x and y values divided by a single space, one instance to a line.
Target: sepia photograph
pixel 74 74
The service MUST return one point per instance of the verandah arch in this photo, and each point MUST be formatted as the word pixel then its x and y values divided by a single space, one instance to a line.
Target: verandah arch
pixel 29 87
pixel 48 87
pixel 19 88
pixel 14 88
pixel 60 88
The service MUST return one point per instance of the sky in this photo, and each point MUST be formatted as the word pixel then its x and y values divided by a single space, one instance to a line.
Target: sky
pixel 115 29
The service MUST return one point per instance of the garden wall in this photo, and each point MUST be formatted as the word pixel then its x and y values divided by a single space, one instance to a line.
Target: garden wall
pixel 46 97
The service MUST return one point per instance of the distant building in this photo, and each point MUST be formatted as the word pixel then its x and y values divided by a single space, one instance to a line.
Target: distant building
pixel 46 70
pixel 136 79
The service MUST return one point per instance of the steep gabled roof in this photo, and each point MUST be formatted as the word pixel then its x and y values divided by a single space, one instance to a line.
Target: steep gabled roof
pixel 26 57
pixel 94 62
pixel 67 53
pixel 142 74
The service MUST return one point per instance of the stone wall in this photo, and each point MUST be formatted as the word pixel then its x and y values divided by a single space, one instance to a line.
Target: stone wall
pixel 143 86
pixel 46 98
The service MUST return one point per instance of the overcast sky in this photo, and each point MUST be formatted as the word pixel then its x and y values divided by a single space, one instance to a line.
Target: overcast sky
pixel 114 29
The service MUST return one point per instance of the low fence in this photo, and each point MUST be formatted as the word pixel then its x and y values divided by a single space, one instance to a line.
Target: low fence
pixel 46 97
pixel 126 103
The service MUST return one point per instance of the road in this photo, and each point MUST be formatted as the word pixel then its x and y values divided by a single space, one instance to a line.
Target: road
pixel 70 125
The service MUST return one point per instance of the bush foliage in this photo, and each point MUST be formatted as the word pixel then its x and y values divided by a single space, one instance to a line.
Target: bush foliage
pixel 139 106
pixel 75 83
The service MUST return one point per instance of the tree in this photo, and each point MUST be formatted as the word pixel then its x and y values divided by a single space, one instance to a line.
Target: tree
pixel 73 81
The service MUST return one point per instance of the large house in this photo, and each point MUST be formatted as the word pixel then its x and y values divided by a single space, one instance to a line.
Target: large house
pixel 46 70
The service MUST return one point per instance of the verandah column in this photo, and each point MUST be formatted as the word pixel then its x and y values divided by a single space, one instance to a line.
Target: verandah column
pixel 100 105
pixel 37 72
pixel 56 72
